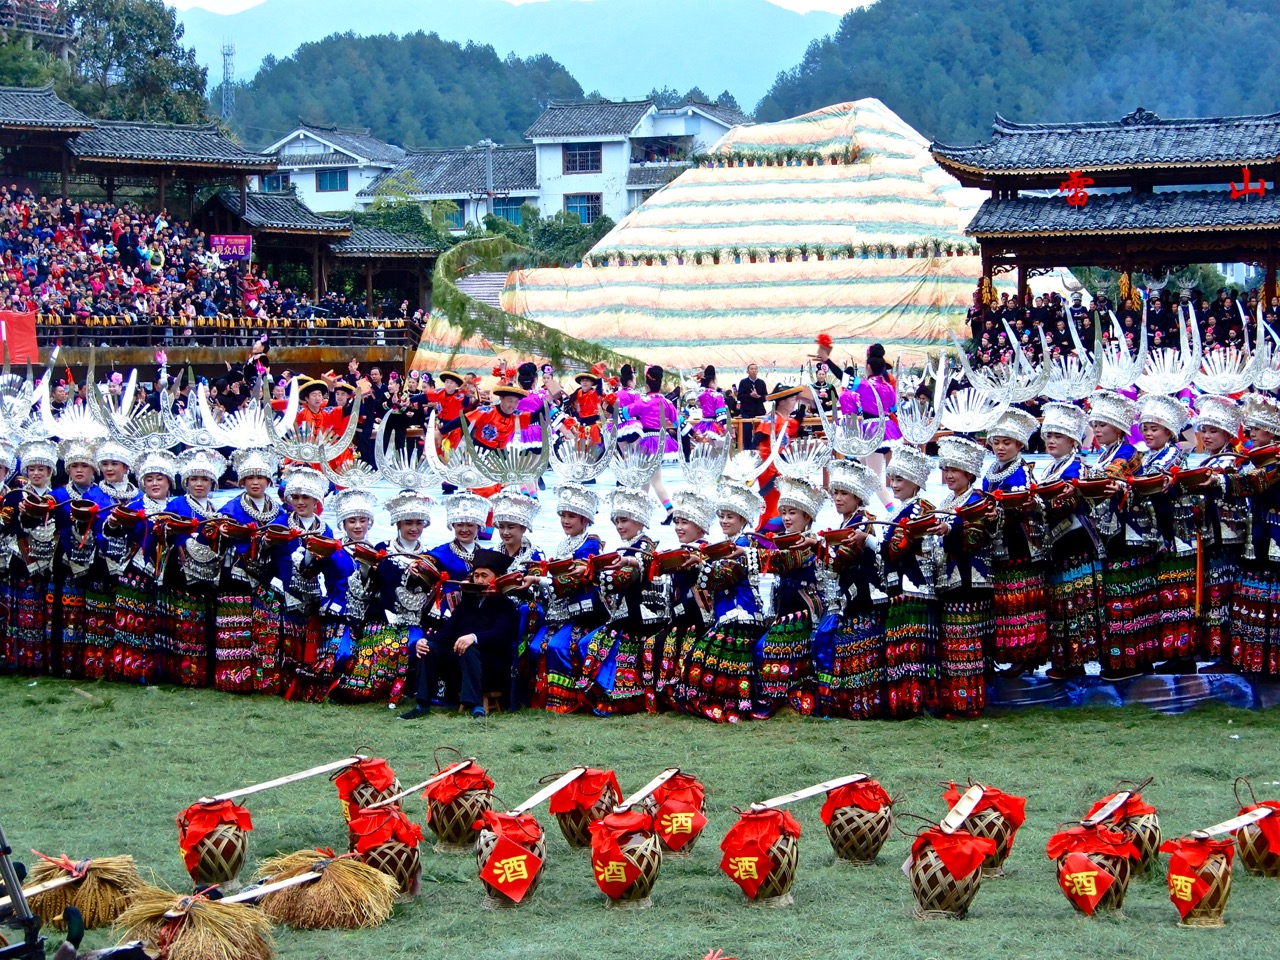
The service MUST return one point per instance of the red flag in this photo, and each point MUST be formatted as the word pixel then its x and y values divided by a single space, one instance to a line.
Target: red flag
pixel 678 823
pixel 511 868
pixel 19 331
pixel 1083 881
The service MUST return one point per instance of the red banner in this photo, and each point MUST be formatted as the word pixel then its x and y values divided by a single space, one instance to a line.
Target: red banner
pixel 678 822
pixel 18 330
pixel 511 868
pixel 1083 881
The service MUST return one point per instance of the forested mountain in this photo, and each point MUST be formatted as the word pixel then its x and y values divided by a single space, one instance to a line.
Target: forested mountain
pixel 417 91
pixel 948 66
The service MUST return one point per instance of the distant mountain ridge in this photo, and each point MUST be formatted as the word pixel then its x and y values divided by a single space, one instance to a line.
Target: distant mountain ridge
pixel 623 48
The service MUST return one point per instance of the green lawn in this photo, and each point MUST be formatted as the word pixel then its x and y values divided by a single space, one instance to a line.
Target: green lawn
pixel 106 773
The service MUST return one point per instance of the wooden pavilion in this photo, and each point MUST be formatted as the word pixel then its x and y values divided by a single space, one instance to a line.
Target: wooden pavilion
pixel 1161 195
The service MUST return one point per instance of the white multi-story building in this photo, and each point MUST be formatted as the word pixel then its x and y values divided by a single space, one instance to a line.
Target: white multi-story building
pixel 586 158
pixel 327 167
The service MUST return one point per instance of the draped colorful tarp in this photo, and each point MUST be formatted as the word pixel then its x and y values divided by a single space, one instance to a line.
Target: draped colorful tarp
pixel 767 313
pixel 875 187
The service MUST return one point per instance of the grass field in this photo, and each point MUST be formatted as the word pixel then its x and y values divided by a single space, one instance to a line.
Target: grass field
pixel 106 773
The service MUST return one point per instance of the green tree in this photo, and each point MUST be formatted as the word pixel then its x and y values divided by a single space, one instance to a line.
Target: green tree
pixel 21 66
pixel 728 101
pixel 547 241
pixel 131 65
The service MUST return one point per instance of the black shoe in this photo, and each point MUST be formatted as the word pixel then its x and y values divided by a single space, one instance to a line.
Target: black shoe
pixel 671 518
pixel 415 713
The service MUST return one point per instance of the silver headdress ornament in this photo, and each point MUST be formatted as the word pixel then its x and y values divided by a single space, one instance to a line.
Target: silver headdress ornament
pixel 401 468
pixel 201 462
pixel 910 463
pixel 1221 412
pixel 516 466
pixel 306 480
pixel 1112 408
pixel 697 506
pixel 18 422
pixel 466 508
pixel 1066 419
pixel 800 494
pixel 579 458
pixel 38 453
pixel 1015 424
pixel 1168 412
pixel 409 505
pixel 1014 382
pixel 512 506
pixel 78 451
pixel 8 455
pixel 1120 368
pixel 961 453
pixel 157 461
pixel 131 420
pixel 306 444
pixel 1262 412
pixel 918 420
pixel 114 449
pixel 355 502
pixel 1231 369
pixel 254 462
pixel 459 469
pixel 1076 375
pixel 1267 375
pixel 75 423
pixel 633 503
pixel 575 498
pixel 1171 371
pixel 739 499
pixel 971 411
pixel 853 477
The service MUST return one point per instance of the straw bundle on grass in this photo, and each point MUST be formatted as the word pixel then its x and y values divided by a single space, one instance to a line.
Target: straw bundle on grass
pixel 347 895
pixel 100 888
pixel 201 929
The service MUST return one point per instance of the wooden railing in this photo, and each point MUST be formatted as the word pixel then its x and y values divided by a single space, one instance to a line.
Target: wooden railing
pixel 221 332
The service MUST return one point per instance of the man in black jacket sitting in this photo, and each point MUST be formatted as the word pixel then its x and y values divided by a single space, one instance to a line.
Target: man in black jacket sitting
pixel 477 642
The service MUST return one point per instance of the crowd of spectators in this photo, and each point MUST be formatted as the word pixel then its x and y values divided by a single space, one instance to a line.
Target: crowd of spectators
pixel 115 274
pixel 1221 321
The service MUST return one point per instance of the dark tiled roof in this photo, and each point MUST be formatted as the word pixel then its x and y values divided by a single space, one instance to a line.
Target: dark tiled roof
pixel 450 173
pixel 655 176
pixel 373 240
pixel 165 143
pixel 358 142
pixel 1140 139
pixel 276 211
pixel 313 160
pixel 589 119
pixel 39 107
pixel 723 114
pixel 1177 210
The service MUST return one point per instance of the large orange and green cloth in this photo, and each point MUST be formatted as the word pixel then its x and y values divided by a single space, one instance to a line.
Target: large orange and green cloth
pixel 864 184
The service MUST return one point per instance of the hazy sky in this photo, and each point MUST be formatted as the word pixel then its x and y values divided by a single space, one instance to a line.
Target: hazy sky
pixel 803 6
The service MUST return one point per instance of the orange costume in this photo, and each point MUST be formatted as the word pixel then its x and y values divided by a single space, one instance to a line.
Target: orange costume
pixel 767 432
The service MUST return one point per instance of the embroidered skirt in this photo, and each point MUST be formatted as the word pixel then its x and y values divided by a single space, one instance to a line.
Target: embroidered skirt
pixel 716 673
pixel 64 624
pixel 968 620
pixel 1076 612
pixel 26 644
pixel 247 643
pixel 1133 611
pixel 1222 569
pixel 784 666
pixel 611 682
pixel 184 636
pixel 664 656
pixel 1021 630
pixel 99 626
pixel 135 655
pixel 377 666
pixel 848 662
pixel 910 654
pixel 1176 583
pixel 558 650
pixel 1255 618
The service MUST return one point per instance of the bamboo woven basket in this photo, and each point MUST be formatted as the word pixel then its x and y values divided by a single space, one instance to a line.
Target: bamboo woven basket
pixel 1120 869
pixel 576 824
pixel 858 835
pixel 494 898
pixel 401 862
pixel 454 823
pixel 992 824
pixel 775 889
pixel 939 895
pixel 645 853
pixel 1216 872
pixel 222 853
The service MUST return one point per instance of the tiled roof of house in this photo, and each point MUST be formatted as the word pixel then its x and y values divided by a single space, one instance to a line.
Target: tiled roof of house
pixel 1119 213
pixel 589 119
pixel 1141 139
pixel 39 107
pixel 165 143
pixel 449 173
pixel 293 160
pixel 724 114
pixel 373 240
pixel 276 211
pixel 654 176
pixel 357 141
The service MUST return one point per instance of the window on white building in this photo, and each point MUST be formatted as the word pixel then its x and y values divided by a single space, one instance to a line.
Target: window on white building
pixel 453 215
pixel 275 183
pixel 583 158
pixel 331 181
pixel 588 206
pixel 508 208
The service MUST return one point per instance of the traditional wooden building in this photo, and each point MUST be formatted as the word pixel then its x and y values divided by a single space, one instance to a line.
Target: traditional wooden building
pixel 1160 194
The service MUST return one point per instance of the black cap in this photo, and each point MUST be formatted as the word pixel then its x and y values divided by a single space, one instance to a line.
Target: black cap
pixel 491 560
